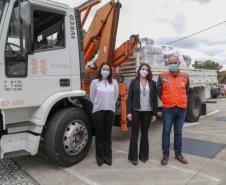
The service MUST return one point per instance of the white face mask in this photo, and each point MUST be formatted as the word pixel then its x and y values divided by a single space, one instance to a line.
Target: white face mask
pixel 143 73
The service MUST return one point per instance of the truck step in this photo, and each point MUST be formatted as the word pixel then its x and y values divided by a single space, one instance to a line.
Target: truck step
pixel 19 153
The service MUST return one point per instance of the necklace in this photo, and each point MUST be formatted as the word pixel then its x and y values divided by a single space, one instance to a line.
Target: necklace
pixel 144 83
pixel 105 83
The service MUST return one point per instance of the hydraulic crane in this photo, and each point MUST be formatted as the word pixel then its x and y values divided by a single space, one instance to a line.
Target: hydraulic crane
pixel 101 37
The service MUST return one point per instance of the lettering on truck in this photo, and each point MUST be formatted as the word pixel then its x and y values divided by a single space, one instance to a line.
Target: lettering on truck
pixel 13 86
pixel 11 104
pixel 72 26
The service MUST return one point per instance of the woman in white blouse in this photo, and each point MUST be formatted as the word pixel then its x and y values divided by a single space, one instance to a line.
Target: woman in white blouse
pixel 104 94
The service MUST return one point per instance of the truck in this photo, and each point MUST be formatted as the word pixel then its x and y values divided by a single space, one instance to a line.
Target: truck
pixel 41 100
pixel 45 75
pixel 46 69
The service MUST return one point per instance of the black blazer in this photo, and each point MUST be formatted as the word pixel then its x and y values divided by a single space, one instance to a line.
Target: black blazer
pixel 133 99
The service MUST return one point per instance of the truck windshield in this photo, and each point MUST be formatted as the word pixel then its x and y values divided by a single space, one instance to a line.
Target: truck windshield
pixel 2 4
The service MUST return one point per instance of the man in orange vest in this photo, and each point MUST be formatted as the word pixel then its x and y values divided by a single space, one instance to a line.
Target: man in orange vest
pixel 173 88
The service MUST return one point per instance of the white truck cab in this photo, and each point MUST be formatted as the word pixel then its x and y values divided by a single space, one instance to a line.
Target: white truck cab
pixel 41 57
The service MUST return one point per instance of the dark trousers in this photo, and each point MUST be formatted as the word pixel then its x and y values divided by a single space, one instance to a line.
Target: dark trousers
pixel 103 121
pixel 140 119
pixel 173 116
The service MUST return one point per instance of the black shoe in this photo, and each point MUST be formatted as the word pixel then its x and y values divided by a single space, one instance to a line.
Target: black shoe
pixel 100 162
pixel 108 162
pixel 135 163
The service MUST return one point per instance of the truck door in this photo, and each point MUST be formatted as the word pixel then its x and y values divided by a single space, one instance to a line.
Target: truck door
pixel 31 78
pixel 49 66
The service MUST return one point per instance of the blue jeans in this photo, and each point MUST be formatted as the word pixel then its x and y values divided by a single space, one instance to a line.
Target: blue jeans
pixel 173 116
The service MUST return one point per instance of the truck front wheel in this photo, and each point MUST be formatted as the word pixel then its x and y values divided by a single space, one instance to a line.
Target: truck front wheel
pixel 194 108
pixel 68 136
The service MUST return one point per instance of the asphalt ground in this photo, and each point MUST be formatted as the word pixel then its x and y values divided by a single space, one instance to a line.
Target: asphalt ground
pixel 12 174
pixel 204 147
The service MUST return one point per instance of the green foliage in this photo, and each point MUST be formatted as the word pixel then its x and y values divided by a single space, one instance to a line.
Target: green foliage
pixel 208 64
pixel 222 77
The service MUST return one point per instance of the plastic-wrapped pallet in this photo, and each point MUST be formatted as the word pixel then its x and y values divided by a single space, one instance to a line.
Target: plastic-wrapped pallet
pixel 146 41
pixel 150 53
pixel 169 50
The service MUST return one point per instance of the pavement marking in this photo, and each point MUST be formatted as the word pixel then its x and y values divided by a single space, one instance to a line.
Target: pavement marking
pixel 187 124
pixel 82 178
pixel 209 177
pixel 200 132
pixel 119 151
pixel 187 171
pixel 214 112
pixel 177 168
pixel 190 124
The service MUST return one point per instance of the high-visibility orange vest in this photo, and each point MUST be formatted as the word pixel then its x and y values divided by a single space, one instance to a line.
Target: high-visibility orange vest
pixel 174 89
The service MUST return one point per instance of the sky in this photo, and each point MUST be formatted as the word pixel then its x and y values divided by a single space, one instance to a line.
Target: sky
pixel 165 21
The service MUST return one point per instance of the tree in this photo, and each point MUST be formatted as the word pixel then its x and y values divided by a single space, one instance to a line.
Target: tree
pixel 222 77
pixel 208 64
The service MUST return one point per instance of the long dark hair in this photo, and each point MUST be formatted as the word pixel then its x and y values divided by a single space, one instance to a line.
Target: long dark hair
pixel 109 78
pixel 149 76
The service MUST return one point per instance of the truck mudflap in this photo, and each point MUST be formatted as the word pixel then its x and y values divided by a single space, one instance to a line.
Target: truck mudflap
pixel 203 111
pixel 1 125
pixel 18 142
pixel 1 129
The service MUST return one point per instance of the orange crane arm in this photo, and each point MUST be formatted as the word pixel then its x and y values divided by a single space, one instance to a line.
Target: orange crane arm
pixel 125 51
pixel 121 55
pixel 102 33
pixel 87 7
pixel 88 4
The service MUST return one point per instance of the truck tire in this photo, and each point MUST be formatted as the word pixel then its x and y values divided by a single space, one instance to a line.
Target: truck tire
pixel 68 136
pixel 214 96
pixel 194 108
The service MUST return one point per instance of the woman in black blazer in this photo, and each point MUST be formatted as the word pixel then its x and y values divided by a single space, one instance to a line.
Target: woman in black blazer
pixel 141 109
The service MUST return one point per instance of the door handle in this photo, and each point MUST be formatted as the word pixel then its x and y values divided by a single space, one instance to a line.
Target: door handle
pixel 65 83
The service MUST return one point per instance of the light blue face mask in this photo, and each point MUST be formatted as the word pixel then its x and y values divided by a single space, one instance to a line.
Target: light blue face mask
pixel 173 67
pixel 105 73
